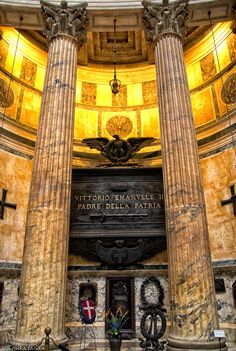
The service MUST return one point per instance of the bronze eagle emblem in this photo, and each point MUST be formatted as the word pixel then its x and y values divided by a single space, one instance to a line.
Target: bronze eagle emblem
pixel 118 150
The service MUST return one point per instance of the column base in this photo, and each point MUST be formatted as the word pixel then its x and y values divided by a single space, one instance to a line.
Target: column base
pixel 21 345
pixel 192 345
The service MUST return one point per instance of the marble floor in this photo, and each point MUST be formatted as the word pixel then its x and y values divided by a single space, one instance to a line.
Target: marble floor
pixel 100 345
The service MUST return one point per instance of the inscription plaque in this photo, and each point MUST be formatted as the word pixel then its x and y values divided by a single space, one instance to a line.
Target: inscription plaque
pixel 117 202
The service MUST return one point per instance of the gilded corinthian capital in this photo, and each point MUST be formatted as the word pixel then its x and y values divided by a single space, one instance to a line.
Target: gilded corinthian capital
pixel 165 18
pixel 62 19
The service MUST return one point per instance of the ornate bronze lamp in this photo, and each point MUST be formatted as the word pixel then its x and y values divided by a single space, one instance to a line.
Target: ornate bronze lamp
pixel 115 83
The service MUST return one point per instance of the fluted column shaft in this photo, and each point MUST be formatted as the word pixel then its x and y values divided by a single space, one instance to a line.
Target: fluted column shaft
pixel 193 310
pixel 44 269
pixel 192 297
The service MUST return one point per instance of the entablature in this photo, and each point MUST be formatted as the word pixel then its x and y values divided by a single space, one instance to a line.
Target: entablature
pixel 101 13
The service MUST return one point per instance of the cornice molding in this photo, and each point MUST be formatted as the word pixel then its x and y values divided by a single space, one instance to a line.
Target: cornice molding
pixel 102 13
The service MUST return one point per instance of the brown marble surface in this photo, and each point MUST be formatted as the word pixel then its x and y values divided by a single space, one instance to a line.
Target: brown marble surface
pixel 219 172
pixel 44 269
pixel 15 175
pixel 192 299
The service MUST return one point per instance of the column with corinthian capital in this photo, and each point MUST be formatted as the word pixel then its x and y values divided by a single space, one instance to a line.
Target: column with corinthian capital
pixel 44 268
pixel 192 298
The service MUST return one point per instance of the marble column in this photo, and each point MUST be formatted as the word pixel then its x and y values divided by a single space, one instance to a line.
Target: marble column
pixel 44 267
pixel 192 297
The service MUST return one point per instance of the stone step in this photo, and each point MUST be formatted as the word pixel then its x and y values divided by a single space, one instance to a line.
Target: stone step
pixel 103 345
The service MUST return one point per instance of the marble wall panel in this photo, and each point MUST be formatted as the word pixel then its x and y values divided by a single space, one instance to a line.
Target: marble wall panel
pixel 120 99
pixel 194 75
pixel 208 67
pixel 73 320
pixel 15 175
pixel 149 92
pixel 223 55
pixel 225 305
pixel 203 107
pixel 74 329
pixel 13 62
pixel 138 303
pixel 89 92
pixel 104 95
pixel 218 174
pixel 218 87
pixel 9 101
pixel 98 96
pixel 7 95
pixel 134 94
pixel 8 309
pixel 39 77
pixel 150 123
pixel 228 91
pixel 231 42
pixel 3 52
pixel 85 123
pixel 30 108
pixel 225 302
pixel 78 91
pixel 28 71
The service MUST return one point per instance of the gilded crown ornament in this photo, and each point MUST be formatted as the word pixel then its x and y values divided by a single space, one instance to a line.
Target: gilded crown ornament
pixel 164 19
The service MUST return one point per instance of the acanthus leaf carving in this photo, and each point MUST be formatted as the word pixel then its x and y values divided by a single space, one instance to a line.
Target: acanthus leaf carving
pixel 165 18
pixel 62 19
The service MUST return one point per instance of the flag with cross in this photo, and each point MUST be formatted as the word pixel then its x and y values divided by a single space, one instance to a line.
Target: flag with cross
pixel 87 311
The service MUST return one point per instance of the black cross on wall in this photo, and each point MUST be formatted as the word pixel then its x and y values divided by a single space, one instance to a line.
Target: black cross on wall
pixel 231 199
pixel 4 204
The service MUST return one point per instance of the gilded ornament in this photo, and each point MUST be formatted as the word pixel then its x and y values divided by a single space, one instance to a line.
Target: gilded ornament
pixel 120 99
pixel 3 53
pixel 28 71
pixel 149 89
pixel 119 125
pixel 208 67
pixel 228 92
